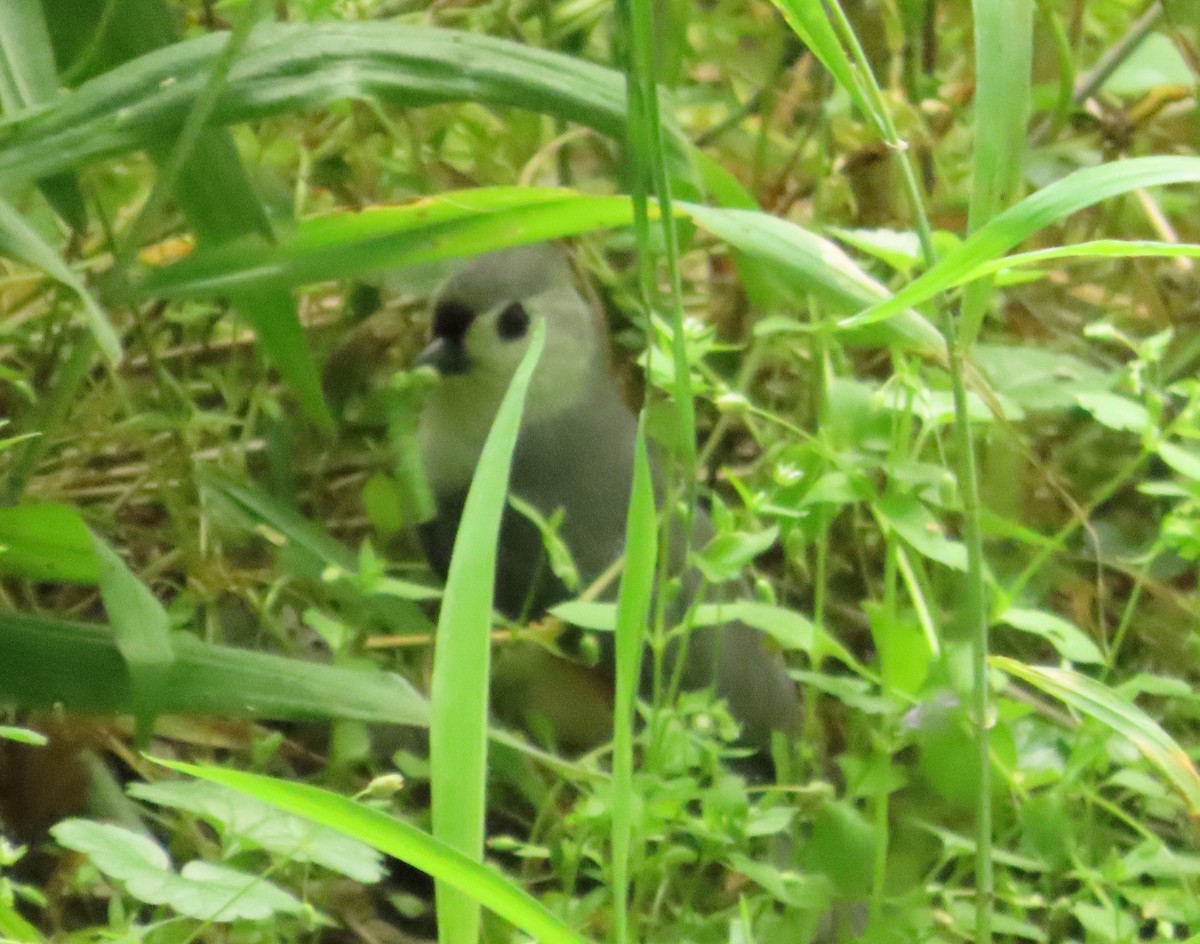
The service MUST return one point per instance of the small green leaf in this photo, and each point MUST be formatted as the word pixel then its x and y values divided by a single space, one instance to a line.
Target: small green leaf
pixel 202 890
pixel 915 524
pixel 558 555
pixel 242 818
pixel 727 555
pixel 1071 642
pixel 1184 461
pixel 787 627
pixel 381 501
pixel 1115 412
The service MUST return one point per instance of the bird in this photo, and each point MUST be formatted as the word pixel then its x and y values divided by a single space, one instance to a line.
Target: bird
pixel 574 456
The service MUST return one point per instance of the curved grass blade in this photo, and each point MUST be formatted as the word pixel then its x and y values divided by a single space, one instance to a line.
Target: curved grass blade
pixel 1084 252
pixel 19 241
pixel 812 264
pixel 462 659
pixel 353 245
pixel 1104 705
pixel 1083 188
pixel 808 21
pixel 27 77
pixel 401 840
pixel 286 67
pixel 468 222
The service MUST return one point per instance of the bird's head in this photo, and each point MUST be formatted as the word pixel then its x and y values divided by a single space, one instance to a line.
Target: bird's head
pixel 483 319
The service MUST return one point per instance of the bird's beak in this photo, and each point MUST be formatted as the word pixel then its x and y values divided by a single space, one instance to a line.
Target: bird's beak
pixel 446 356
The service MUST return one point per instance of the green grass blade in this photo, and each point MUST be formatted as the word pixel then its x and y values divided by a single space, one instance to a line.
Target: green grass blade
pixel 401 840
pixel 200 169
pixel 462 661
pixel 271 312
pixel 1091 250
pixel 808 21
pixel 809 264
pixel 1003 66
pixel 1076 191
pixel 142 632
pixel 353 245
pixel 633 612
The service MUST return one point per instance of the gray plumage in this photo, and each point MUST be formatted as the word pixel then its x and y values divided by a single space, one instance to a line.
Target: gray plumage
pixel 574 451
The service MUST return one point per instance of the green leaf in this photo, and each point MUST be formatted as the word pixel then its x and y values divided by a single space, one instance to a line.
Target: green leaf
pixel 558 555
pixel 1035 378
pixel 587 614
pixel 905 655
pixel 1003 69
pixel 202 890
pixel 242 819
pixel 271 312
pixel 727 555
pixel 787 627
pixel 899 250
pixel 1071 642
pixel 811 265
pixel 1115 411
pixel 1184 461
pixel 23 736
pixel 210 892
pixel 354 245
pixel 469 222
pixel 634 599
pixel 913 523
pixel 809 21
pixel 27 77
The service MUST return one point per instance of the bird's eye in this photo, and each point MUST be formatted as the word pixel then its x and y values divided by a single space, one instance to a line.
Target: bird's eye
pixel 513 322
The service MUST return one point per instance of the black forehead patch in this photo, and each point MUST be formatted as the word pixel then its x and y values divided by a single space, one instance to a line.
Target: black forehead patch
pixel 452 318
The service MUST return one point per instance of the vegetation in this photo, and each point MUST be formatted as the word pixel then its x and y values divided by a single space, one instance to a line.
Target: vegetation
pixel 918 285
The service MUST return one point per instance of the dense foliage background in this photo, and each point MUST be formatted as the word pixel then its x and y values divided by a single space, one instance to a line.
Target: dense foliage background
pixel 929 311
